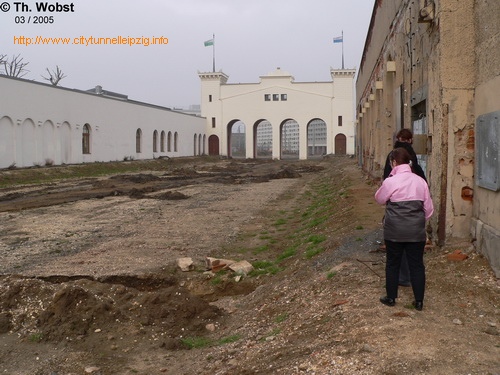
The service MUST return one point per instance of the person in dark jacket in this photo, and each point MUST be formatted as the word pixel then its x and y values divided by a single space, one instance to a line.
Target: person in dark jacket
pixel 404 138
pixel 408 205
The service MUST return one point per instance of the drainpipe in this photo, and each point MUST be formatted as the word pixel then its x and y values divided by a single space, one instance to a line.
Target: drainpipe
pixel 444 178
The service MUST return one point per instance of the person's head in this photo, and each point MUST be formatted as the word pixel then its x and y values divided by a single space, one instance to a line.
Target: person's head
pixel 405 135
pixel 399 156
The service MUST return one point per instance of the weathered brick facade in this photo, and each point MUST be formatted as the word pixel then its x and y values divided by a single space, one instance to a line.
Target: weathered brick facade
pixel 434 67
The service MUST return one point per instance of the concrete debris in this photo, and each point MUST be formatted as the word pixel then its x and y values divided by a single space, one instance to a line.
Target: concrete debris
pixel 241 268
pixel 92 370
pixel 185 264
pixel 457 256
pixel 216 264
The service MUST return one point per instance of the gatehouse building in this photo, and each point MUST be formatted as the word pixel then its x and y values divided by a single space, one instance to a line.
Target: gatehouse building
pixel 278 117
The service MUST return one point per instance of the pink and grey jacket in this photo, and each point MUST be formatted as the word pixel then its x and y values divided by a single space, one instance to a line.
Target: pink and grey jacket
pixel 408 205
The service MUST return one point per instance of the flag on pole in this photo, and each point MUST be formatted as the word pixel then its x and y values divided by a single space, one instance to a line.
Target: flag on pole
pixel 338 39
pixel 211 42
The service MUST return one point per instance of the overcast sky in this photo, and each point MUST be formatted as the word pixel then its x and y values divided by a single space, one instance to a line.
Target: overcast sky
pixel 252 38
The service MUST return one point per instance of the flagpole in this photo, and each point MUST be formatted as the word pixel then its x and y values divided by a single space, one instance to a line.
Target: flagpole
pixel 342 49
pixel 213 49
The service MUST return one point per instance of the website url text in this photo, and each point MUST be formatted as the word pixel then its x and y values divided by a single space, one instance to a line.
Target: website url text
pixel 88 41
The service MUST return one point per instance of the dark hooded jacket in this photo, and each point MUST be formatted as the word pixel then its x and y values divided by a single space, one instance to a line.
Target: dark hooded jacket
pixel 415 167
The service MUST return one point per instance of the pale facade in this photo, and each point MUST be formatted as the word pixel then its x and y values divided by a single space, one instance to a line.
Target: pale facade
pixel 278 100
pixel 434 67
pixel 45 125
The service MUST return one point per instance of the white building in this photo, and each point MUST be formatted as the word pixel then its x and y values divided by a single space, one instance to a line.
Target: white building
pixel 45 125
pixel 281 102
pixel 41 124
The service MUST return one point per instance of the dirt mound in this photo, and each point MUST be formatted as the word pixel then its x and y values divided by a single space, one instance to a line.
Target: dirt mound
pixel 171 196
pixel 78 309
pixel 140 178
pixel 285 173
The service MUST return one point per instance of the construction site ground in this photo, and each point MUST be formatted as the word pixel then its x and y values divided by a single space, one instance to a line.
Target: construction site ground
pixel 89 280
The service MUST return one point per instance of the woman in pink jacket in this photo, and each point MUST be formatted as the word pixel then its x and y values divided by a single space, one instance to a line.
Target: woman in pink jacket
pixel 408 206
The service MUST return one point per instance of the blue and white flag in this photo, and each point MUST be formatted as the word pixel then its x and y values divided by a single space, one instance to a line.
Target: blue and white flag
pixel 339 39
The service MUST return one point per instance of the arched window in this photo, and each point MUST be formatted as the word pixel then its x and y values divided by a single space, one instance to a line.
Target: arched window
pixel 162 142
pixel 138 140
pixel 86 139
pixel 155 141
pixel 194 144
pixel 176 137
pixel 169 142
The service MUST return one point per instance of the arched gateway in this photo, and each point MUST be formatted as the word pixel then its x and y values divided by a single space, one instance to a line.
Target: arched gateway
pixel 277 117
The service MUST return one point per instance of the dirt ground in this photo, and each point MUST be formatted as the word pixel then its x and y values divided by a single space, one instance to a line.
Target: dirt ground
pixel 89 282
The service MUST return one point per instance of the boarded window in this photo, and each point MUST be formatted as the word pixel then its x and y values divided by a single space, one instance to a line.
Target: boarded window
pixel 162 142
pixel 169 142
pixel 138 140
pixel 86 139
pixel 155 141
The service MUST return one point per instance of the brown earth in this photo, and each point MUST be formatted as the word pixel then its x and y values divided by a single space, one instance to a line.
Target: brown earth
pixel 89 282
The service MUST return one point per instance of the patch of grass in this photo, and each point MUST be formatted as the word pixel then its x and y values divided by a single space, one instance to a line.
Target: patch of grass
pixel 228 340
pixel 261 249
pixel 218 278
pixel 409 306
pixel 264 267
pixel 317 221
pixel 274 332
pixel 40 174
pixel 204 342
pixel 359 227
pixel 281 318
pixel 196 342
pixel 36 337
pixel 262 264
pixel 329 275
pixel 316 238
pixel 313 251
pixel 289 252
pixel 279 222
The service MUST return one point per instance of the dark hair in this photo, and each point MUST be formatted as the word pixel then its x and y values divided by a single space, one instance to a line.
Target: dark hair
pixel 400 155
pixel 405 134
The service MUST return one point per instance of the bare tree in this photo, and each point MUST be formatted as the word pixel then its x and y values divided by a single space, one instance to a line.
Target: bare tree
pixel 13 68
pixel 54 76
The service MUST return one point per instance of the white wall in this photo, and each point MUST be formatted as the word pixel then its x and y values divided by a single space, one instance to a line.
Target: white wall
pixel 40 122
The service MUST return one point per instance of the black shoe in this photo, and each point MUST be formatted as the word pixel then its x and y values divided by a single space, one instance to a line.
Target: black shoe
pixel 387 301
pixel 419 305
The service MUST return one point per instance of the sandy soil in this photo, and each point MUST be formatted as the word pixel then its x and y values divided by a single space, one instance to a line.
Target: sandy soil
pixel 89 282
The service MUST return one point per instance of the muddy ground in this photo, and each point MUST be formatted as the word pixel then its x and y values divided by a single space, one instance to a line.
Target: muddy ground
pixel 89 282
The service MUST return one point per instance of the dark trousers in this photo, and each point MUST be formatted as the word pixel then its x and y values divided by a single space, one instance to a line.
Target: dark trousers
pixel 414 252
pixel 404 271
